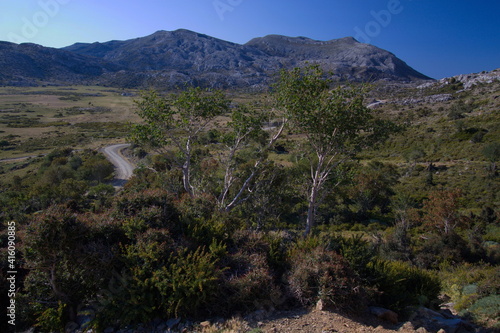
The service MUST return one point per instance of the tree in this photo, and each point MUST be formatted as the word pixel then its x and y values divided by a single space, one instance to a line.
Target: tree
pixel 246 125
pixel 334 121
pixel 178 120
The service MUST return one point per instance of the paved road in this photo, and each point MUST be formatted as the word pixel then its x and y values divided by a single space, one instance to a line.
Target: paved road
pixel 124 169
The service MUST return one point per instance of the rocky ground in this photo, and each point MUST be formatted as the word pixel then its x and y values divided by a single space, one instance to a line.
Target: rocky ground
pixel 325 321
pixel 316 320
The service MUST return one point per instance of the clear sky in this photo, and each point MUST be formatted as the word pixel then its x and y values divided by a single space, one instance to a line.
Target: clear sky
pixel 439 38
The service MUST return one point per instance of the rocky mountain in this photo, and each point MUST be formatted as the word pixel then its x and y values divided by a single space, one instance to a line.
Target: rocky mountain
pixel 173 58
pixel 467 81
pixel 32 64
pixel 345 57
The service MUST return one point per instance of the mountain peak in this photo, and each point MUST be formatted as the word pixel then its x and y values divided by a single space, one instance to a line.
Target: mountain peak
pixel 172 58
pixel 177 32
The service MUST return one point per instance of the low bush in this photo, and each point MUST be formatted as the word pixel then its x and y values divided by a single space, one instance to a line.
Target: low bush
pixel 189 283
pixel 357 251
pixel 474 289
pixel 250 284
pixel 401 285
pixel 324 275
pixel 485 311
pixel 182 285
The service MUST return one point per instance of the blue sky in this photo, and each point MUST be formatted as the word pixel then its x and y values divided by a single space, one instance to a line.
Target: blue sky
pixel 439 38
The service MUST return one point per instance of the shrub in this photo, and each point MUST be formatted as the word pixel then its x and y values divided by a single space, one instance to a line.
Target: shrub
pixel 250 284
pixel 323 275
pixel 401 285
pixel 486 311
pixel 468 284
pixel 67 261
pixel 357 251
pixel 254 271
pixel 52 319
pixel 182 284
pixel 188 283
pixel 448 249
pixel 204 231
pixel 131 204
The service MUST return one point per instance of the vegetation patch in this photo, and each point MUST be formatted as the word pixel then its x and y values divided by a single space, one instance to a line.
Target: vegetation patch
pixel 235 208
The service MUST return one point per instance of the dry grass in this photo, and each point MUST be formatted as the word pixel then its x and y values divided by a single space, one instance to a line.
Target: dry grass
pixel 43 106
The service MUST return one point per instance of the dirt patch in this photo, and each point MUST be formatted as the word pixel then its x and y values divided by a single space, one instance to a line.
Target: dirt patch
pixel 327 321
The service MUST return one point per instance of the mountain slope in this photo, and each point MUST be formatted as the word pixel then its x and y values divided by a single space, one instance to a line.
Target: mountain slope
pixel 344 56
pixel 29 64
pixel 175 58
pixel 179 50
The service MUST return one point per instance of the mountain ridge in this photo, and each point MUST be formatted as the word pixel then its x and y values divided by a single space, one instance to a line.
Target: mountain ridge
pixel 179 57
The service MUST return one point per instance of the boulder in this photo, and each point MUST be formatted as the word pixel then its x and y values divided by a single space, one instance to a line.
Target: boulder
pixel 384 314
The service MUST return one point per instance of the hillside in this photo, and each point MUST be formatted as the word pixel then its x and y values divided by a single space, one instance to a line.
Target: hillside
pixel 30 64
pixel 380 238
pixel 345 57
pixel 175 58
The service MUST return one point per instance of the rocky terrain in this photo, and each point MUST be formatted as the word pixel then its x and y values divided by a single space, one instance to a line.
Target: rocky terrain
pixel 175 58
pixel 316 320
pixel 467 80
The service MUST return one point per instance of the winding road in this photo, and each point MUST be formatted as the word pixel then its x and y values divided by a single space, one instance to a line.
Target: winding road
pixel 124 169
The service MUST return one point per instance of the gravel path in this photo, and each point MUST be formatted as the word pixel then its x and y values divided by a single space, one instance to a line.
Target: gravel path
pixel 124 169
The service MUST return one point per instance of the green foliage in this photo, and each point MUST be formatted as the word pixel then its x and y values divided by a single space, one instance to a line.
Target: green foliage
pixel 161 279
pixel 460 108
pixel 400 285
pixel 442 249
pixel 468 283
pixel 485 311
pixel 334 121
pixel 357 251
pixel 66 261
pixel 330 118
pixel 52 319
pixel 188 283
pixel 372 189
pixel 207 231
pixel 139 203
pixel 178 120
pixel 102 195
pixel 492 152
pixel 96 168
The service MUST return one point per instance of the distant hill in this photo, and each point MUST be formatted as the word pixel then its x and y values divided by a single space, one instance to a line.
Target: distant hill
pixel 32 64
pixel 173 58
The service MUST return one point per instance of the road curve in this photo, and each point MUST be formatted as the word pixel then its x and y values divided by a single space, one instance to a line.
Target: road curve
pixel 124 169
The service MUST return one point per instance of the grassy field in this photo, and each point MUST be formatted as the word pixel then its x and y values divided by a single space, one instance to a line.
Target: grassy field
pixel 36 120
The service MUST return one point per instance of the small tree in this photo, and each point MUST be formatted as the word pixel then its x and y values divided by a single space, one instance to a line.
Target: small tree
pixel 246 125
pixel 334 121
pixel 441 211
pixel 178 120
